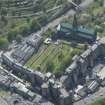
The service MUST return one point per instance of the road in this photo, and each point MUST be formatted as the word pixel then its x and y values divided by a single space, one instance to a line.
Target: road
pixel 92 98
pixel 83 5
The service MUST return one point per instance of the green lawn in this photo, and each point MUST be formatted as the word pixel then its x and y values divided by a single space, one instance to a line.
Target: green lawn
pixel 53 58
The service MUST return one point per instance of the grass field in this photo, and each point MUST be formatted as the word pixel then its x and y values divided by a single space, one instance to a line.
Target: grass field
pixel 53 58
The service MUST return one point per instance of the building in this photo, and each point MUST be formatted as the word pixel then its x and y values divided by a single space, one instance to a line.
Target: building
pixel 34 41
pixel 69 31
pixel 81 91
pixel 101 73
pixel 58 90
pixel 101 76
pixel 93 86
pixel 27 48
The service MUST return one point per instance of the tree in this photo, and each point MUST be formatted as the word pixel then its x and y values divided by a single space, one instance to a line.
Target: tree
pixel 28 19
pixel 49 66
pixel 49 32
pixel 43 19
pixel 4 19
pixel 60 56
pixel 25 30
pixel 34 25
pixel 3 43
pixel 18 38
pixel 38 67
pixel 12 35
pixel 75 51
pixel 4 11
pixel 0 5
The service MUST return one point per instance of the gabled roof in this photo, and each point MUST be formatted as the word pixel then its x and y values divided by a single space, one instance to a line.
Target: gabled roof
pixel 66 27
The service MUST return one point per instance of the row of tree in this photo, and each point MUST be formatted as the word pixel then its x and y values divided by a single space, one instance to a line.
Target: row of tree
pixel 17 33
pixel 27 29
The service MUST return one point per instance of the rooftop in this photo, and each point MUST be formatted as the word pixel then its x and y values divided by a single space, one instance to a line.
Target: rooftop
pixel 67 26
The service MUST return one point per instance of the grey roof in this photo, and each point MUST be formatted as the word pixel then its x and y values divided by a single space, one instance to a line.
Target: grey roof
pixel 93 85
pixel 72 67
pixel 18 100
pixel 101 73
pixel 94 47
pixel 27 48
pixel 41 75
pixel 64 93
pixel 86 53
pixel 82 92
pixel 33 41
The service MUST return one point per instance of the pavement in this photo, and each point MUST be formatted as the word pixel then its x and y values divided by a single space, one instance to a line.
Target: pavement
pixel 2 101
pixel 92 97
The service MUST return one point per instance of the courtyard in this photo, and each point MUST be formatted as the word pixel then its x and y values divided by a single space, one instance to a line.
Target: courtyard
pixel 54 58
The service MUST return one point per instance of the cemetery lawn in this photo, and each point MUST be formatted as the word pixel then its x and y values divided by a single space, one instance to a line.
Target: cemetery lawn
pixel 53 58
